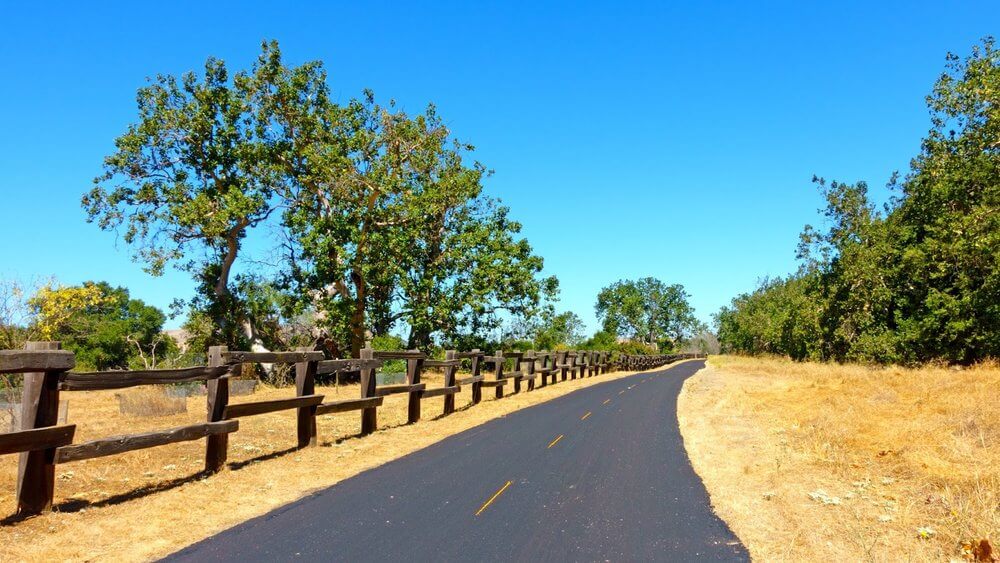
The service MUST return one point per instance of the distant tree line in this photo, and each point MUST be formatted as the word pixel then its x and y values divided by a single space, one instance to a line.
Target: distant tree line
pixel 644 316
pixel 108 329
pixel 916 281
pixel 103 325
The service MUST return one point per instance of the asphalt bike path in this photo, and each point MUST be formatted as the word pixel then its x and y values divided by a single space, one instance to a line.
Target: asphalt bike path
pixel 600 474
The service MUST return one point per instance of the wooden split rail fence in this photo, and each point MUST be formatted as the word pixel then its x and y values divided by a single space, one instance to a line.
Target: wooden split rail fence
pixel 644 362
pixel 46 369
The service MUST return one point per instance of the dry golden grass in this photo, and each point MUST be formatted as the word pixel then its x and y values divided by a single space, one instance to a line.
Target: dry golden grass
pixel 811 461
pixel 146 504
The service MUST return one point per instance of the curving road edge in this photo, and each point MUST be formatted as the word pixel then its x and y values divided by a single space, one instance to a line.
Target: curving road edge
pixel 600 474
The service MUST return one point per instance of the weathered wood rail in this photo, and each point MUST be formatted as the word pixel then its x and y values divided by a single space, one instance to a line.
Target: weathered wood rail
pixel 42 444
pixel 644 362
pixel 46 370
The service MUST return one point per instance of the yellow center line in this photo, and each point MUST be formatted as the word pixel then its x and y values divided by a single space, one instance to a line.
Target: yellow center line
pixel 606 401
pixel 584 417
pixel 622 391
pixel 560 437
pixel 492 498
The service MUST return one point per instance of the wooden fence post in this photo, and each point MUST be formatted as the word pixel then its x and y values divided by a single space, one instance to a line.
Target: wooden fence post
pixel 517 380
pixel 449 381
pixel 36 470
pixel 498 372
pixel 305 384
pixel 530 361
pixel 369 416
pixel 413 368
pixel 476 369
pixel 217 445
pixel 542 368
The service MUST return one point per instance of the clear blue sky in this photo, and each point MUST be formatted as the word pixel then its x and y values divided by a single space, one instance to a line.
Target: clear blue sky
pixel 650 140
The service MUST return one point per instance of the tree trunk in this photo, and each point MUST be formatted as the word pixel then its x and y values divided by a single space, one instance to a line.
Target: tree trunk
pixel 252 336
pixel 223 305
pixel 381 318
pixel 358 315
pixel 232 249
pixel 422 299
pixel 420 338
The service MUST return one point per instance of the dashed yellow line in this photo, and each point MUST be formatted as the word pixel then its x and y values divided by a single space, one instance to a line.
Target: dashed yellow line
pixel 584 417
pixel 492 498
pixel 622 391
pixel 606 401
pixel 560 437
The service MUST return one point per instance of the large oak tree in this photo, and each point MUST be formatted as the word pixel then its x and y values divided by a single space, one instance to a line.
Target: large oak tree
pixel 646 310
pixel 400 231
pixel 210 158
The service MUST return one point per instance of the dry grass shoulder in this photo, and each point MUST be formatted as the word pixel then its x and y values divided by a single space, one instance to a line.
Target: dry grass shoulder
pixel 146 504
pixel 847 463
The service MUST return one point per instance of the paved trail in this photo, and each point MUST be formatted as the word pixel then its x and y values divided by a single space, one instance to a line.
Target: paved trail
pixel 597 475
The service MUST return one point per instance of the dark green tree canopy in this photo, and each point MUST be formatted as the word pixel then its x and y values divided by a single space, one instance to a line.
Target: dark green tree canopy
pixel 109 330
pixel 550 330
pixel 780 317
pixel 401 232
pixel 917 282
pixel 209 158
pixel 647 310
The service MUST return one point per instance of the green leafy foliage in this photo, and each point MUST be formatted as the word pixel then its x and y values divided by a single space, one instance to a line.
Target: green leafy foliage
pixel 780 317
pixel 378 216
pixel 917 282
pixel 601 340
pixel 209 158
pixel 647 310
pixel 109 330
pixel 399 231
pixel 390 342
pixel 555 331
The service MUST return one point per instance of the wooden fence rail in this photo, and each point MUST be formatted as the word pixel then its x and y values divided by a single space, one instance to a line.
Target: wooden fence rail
pixel 643 362
pixel 42 443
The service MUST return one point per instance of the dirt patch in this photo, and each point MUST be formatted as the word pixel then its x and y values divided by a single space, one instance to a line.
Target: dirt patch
pixel 847 463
